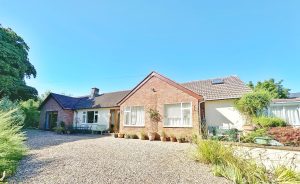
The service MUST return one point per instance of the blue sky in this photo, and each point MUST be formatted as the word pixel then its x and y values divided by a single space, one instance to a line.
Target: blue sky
pixel 76 45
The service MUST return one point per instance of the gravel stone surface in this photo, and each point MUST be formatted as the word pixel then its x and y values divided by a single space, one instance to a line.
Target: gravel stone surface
pixel 103 159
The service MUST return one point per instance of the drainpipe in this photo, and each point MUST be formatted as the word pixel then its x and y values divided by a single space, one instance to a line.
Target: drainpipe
pixel 199 116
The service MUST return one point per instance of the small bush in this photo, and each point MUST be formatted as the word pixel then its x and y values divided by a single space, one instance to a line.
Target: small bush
pixel 267 122
pixel 143 136
pixel 127 136
pixel 249 138
pixel 133 136
pixel 12 147
pixel 59 130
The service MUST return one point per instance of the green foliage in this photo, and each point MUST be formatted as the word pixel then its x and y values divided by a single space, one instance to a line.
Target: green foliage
pixel 276 89
pixel 252 104
pixel 286 175
pixel 12 148
pixel 267 122
pixel 154 115
pixel 30 109
pixel 225 163
pixel 59 129
pixel 17 116
pixel 14 67
pixel 249 138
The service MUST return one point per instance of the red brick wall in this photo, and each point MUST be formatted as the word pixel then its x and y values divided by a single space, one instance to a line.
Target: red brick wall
pixel 63 115
pixel 165 94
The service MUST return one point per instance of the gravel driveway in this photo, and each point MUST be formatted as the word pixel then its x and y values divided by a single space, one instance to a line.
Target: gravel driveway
pixel 103 159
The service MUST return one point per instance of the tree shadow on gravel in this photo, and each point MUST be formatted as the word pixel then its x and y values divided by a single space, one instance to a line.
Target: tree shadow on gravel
pixel 30 167
pixel 38 139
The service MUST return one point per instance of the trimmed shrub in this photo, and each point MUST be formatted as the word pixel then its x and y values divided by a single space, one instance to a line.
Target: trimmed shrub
pixel 267 122
pixel 12 147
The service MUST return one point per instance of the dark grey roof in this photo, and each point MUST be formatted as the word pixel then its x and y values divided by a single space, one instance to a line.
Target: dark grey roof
pixel 294 95
pixel 232 88
pixel 101 101
pixel 66 102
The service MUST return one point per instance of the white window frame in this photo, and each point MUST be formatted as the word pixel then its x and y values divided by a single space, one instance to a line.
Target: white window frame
pixel 129 111
pixel 181 113
pixel 85 114
pixel 84 117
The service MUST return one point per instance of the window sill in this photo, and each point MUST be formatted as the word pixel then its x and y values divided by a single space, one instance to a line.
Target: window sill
pixel 177 126
pixel 135 126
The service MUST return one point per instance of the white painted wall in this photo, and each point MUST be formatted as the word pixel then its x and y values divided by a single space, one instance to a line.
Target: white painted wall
pixel 103 117
pixel 222 113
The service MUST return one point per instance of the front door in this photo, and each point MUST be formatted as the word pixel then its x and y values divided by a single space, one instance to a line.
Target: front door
pixel 51 120
pixel 114 120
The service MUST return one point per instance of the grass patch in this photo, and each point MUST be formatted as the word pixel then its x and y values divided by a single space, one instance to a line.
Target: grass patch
pixel 237 169
pixel 12 147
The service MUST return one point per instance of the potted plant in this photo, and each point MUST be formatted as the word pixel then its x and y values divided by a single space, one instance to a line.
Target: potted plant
pixel 143 136
pixel 173 138
pixel 127 136
pixel 115 135
pixel 133 136
pixel 163 136
pixel 181 139
pixel 120 135
pixel 155 117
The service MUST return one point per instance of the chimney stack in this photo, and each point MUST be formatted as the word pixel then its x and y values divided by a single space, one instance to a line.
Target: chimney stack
pixel 94 93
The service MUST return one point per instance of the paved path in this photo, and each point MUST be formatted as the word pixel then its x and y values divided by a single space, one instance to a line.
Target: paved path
pixel 93 159
pixel 272 157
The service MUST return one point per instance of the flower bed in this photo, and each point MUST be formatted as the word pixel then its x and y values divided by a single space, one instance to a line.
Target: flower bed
pixel 286 135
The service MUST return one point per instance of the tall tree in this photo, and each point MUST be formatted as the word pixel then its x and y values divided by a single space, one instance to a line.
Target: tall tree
pixel 276 89
pixel 15 67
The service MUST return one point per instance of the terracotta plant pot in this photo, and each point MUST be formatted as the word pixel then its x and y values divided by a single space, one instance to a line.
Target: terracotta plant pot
pixel 248 127
pixel 151 136
pixel 180 140
pixel 162 138
pixel 173 139
pixel 120 135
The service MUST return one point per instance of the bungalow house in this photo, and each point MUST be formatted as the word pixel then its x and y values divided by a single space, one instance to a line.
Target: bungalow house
pixel 182 107
pixel 87 111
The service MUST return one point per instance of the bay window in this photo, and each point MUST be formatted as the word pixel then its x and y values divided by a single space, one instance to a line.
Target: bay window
pixel 178 115
pixel 134 116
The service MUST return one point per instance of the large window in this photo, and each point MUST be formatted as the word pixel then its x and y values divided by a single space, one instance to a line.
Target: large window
pixel 90 117
pixel 178 115
pixel 134 116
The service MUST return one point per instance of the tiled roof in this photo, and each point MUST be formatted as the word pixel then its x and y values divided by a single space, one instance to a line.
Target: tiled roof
pixel 232 87
pixel 294 95
pixel 101 101
pixel 286 100
pixel 66 102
